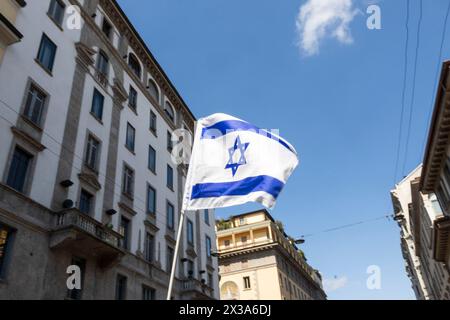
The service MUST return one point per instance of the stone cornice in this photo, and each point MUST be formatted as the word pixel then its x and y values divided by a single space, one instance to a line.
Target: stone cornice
pixel 126 29
pixel 439 135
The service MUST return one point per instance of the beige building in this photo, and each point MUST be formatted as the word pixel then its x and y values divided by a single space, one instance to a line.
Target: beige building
pixel 8 32
pixel 258 261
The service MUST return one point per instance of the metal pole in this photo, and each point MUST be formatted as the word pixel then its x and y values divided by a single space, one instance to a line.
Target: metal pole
pixel 175 256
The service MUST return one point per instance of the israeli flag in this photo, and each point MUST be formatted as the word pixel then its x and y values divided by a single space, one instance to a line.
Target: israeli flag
pixel 234 162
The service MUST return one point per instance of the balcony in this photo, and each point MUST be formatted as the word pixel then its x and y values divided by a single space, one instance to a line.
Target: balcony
pixel 192 289
pixel 441 247
pixel 78 232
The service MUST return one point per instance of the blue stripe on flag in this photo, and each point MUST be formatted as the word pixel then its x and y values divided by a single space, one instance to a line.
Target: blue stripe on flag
pixel 243 187
pixel 229 126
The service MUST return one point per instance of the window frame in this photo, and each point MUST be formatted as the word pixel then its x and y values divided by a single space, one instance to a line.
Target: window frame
pixel 46 39
pixel 133 98
pixel 131 147
pixel 134 64
pixel 97 110
pixel 122 294
pixel 208 246
pixel 190 232
pixel 90 203
pixel 27 106
pixel 150 187
pixel 128 181
pixel 26 175
pixel 151 155
pixel 170 185
pixel 153 126
pixel 88 153
pixel 170 216
pixel 51 12
pixel 170 115
pixel 247 283
pixel 152 84
pixel 149 248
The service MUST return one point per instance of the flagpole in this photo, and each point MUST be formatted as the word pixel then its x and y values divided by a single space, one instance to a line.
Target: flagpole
pixel 175 256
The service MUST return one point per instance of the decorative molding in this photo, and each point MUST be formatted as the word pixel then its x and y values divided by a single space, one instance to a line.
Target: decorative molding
pixel 25 137
pixel 128 209
pixel 151 225
pixel 85 55
pixel 120 94
pixel 90 179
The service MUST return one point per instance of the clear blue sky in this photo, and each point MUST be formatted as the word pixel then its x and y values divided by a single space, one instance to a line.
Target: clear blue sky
pixel 340 108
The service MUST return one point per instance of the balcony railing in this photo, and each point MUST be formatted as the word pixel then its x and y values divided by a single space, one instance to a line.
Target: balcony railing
pixel 74 218
pixel 195 286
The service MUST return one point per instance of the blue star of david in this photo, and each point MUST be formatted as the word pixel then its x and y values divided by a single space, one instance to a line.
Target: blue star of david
pixel 238 145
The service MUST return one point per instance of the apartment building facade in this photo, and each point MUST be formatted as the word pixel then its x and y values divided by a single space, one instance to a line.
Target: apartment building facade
pixel 415 214
pixel 257 261
pixel 87 122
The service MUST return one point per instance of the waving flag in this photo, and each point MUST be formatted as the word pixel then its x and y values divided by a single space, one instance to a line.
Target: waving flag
pixel 234 162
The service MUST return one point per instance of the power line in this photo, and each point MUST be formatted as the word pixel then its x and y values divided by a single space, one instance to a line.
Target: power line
pixel 348 225
pixel 405 73
pixel 413 94
pixel 55 153
pixel 436 76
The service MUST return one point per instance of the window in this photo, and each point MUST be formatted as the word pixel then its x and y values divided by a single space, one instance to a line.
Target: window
pixel 130 138
pixel 170 216
pixel 92 153
pixel 97 105
pixel 34 105
pixel 152 159
pixel 18 170
pixel 242 221
pixel 47 52
pixel 247 283
pixel 169 177
pixel 132 98
pixel 107 28
pixel 169 258
pixel 76 294
pixel 206 216
pixel 148 293
pixel 128 181
pixel 5 242
pixel 56 11
pixel 169 112
pixel 190 268
pixel 134 65
pixel 85 204
pixel 244 240
pixel 125 232
pixel 153 90
pixel 151 200
pixel 190 232
pixel 169 142
pixel 210 280
pixel 149 247
pixel 121 287
pixel 102 63
pixel 208 246
pixel 226 243
pixel 152 122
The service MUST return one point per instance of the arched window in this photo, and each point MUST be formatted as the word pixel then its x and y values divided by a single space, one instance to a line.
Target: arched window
pixel 134 64
pixel 169 111
pixel 153 90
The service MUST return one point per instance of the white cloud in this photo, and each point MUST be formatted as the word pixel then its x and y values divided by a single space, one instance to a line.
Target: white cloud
pixel 334 284
pixel 318 19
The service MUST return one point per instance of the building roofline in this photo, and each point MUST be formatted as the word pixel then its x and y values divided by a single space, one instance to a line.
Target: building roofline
pixel 147 49
pixel 252 212
pixel 434 122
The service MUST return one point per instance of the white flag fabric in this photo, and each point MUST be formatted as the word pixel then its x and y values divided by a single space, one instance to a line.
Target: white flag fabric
pixel 234 162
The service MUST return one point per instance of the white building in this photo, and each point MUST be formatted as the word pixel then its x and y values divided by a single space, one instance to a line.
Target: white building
pixel 86 120
pixel 416 214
